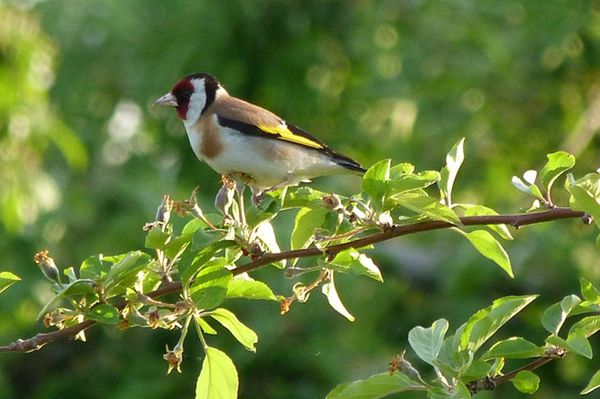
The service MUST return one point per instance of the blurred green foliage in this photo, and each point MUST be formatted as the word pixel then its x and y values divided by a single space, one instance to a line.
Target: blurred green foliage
pixel 85 161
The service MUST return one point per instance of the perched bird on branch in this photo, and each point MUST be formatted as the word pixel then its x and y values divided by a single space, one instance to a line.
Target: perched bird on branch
pixel 248 143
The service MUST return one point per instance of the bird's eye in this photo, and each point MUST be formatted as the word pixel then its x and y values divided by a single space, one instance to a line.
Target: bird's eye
pixel 182 94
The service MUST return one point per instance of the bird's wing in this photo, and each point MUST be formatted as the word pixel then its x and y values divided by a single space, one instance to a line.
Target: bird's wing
pixel 254 120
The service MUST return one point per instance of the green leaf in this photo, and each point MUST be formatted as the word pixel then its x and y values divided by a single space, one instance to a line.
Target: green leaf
pixel 554 317
pixel 352 261
pixel 427 342
pixel 526 382
pixel 454 160
pixel 593 384
pixel 193 225
pixel 376 386
pixel 94 268
pixel 218 378
pixel 307 220
pixel 177 245
pixel 192 260
pixel 123 272
pixel 402 183
pixel 587 326
pixel 477 370
pixel 483 324
pixel 513 348
pixel 375 181
pixel 267 210
pixel 7 279
pixel 328 289
pixel 588 291
pixel 480 210
pixel 104 313
pixel 239 330
pixel 303 197
pixel 204 326
pixel 488 246
pixel 156 238
pixel 558 163
pixel 210 287
pixel 248 288
pixel 585 195
pixel 419 202
pixel 579 347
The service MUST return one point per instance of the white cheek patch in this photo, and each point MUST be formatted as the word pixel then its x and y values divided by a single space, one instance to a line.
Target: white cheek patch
pixel 197 102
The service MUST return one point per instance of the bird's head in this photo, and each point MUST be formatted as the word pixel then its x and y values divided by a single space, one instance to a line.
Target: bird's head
pixel 191 96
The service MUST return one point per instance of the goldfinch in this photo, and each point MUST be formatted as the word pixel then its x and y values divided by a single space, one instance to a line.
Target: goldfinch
pixel 248 143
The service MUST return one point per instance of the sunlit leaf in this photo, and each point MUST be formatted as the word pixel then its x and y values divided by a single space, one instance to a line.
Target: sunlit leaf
pixel 218 378
pixel 352 261
pixel 555 315
pixel 558 163
pixel 239 330
pixel 593 384
pixel 427 342
pixel 104 313
pixel 488 246
pixel 526 382
pixel 588 291
pixel 7 279
pixel 156 238
pixel 585 195
pixel 421 203
pixel 210 287
pixel 249 288
pixel 483 324
pixel 513 348
pixel 304 226
pixel 376 386
pixel 454 160
pixel 480 210
pixel 376 181
pixel 330 292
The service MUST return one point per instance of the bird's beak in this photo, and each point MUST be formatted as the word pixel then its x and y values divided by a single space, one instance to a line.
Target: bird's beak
pixel 168 100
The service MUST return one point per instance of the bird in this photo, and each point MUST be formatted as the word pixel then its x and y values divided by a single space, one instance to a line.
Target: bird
pixel 248 143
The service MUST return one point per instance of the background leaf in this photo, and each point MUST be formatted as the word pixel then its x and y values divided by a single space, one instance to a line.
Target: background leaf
pixel 218 378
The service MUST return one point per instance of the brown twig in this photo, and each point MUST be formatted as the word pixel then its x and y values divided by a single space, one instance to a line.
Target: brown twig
pixel 515 220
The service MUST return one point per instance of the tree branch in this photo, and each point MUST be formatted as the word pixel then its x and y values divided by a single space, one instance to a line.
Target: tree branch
pixel 515 220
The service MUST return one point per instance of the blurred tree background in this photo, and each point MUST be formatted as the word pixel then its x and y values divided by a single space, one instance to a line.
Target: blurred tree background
pixel 85 161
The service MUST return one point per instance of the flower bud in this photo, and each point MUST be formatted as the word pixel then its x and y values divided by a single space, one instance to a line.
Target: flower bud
pixel 224 199
pixel 163 213
pixel 47 266
pixel 174 358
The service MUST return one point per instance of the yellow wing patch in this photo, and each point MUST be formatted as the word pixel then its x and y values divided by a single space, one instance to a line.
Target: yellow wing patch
pixel 286 134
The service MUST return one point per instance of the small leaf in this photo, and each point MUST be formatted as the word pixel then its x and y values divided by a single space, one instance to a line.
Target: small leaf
pixel 587 326
pixel 94 268
pixel 352 261
pixel 576 344
pixel 307 220
pixel 530 176
pixel 7 279
pixel 204 326
pixel 375 181
pixel 558 163
pixel 554 317
pixel 588 291
pixel 210 287
pixel 526 382
pixel 218 378
pixel 239 330
pixel 156 238
pixel 303 197
pixel 593 384
pixel 427 342
pixel 104 313
pixel 420 203
pixel 585 195
pixel 483 324
pixel 330 292
pixel 376 386
pixel 488 246
pixel 513 348
pixel 402 183
pixel 248 288
pixel 454 160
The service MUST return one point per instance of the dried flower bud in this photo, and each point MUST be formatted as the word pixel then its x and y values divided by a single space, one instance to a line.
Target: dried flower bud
pixel 47 266
pixel 224 199
pixel 333 202
pixel 284 305
pixel 174 358
pixel 153 319
pixel 163 214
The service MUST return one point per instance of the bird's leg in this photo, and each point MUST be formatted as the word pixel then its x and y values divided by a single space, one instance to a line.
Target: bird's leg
pixel 239 189
pixel 257 197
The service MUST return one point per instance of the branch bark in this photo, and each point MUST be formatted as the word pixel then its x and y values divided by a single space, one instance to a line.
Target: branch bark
pixel 516 220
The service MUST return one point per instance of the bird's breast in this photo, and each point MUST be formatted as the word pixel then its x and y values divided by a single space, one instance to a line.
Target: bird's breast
pixel 205 138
